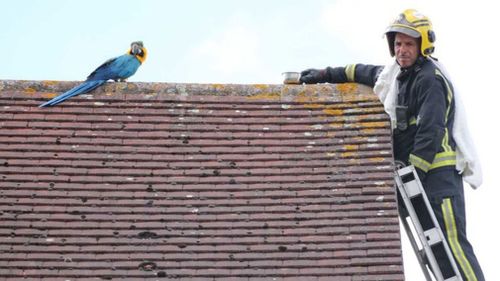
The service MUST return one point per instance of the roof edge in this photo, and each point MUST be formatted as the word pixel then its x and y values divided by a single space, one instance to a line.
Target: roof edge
pixel 307 93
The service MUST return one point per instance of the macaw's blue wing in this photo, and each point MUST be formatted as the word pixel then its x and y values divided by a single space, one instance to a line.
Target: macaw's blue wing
pixel 85 87
pixel 118 69
pixel 103 72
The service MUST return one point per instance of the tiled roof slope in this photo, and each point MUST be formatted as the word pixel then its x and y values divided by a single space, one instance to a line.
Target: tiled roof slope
pixel 196 182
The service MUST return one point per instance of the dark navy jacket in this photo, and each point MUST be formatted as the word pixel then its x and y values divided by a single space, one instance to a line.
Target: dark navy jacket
pixel 426 106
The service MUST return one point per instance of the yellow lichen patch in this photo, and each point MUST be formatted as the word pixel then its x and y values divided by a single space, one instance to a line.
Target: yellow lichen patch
pixel 358 97
pixel 157 87
pixel 367 131
pixel 132 86
pixel 331 111
pixel 50 95
pixel 304 97
pixel 347 88
pixel 373 124
pixel 347 154
pixel 261 86
pixel 313 105
pixel 376 159
pixel 351 147
pixel 30 91
pixel 48 83
pixel 218 86
pixel 265 96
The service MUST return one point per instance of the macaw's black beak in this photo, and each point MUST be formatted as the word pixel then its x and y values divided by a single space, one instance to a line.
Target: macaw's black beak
pixel 136 48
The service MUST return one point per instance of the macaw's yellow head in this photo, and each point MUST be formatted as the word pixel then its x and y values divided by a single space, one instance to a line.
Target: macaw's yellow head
pixel 137 49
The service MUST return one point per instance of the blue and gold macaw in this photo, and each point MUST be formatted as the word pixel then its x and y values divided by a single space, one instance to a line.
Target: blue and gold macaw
pixel 118 69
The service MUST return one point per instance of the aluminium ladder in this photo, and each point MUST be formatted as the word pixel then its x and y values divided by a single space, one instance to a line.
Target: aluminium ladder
pixel 429 233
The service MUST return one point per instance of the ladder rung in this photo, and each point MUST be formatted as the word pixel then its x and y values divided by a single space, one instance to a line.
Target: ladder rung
pixel 412 189
pixel 433 236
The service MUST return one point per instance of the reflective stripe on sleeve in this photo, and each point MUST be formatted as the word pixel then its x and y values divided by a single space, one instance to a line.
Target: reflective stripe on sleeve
pixel 449 94
pixel 413 121
pixel 419 163
pixel 445 143
pixel 350 72
pixel 449 97
pixel 447 158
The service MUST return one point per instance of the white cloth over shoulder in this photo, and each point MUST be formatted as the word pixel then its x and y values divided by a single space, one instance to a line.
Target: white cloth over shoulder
pixel 468 163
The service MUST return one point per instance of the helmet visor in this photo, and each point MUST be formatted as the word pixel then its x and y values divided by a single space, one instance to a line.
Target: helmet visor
pixel 403 29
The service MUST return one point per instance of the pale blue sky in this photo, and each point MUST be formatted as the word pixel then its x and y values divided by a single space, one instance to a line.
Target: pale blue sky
pixel 66 40
pixel 252 42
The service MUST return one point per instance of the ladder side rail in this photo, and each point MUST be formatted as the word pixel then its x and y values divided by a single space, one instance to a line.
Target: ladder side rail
pixel 436 223
pixel 415 247
pixel 420 232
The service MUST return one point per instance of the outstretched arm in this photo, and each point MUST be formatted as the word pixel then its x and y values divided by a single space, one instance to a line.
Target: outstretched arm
pixel 359 73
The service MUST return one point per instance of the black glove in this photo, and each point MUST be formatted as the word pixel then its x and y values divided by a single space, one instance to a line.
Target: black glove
pixel 313 76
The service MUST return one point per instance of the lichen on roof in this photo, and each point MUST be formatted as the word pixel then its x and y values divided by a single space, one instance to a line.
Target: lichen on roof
pixel 140 181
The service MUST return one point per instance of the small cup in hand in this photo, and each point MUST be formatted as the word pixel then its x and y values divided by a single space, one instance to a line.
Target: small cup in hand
pixel 291 77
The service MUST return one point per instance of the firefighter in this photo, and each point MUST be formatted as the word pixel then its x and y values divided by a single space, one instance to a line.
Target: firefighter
pixel 428 127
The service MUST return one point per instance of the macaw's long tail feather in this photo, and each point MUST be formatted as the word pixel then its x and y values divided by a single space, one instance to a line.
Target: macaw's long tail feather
pixel 85 87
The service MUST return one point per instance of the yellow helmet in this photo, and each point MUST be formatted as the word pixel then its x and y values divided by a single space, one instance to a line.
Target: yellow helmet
pixel 416 25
